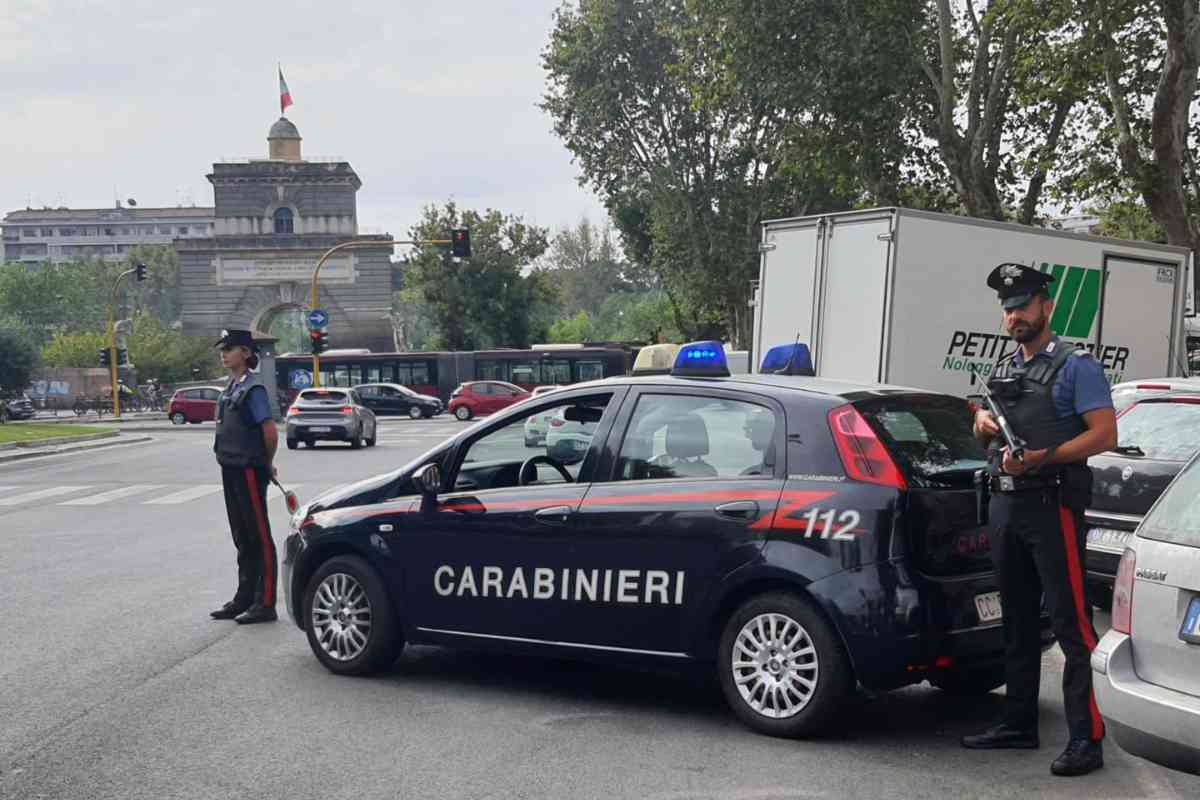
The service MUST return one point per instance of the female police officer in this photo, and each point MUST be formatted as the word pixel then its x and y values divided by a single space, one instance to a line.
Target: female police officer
pixel 245 447
pixel 1057 399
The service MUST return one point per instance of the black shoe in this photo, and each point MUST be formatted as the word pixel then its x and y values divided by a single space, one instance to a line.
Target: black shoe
pixel 256 613
pixel 1081 757
pixel 1002 737
pixel 229 610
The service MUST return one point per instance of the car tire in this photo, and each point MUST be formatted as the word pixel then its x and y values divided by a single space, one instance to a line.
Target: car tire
pixel 292 444
pixel 759 632
pixel 970 682
pixel 1100 596
pixel 462 413
pixel 414 412
pixel 179 418
pixel 374 436
pixel 345 597
pixel 356 443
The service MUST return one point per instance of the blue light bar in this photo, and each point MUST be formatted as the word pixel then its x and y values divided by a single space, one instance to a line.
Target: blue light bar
pixel 701 360
pixel 788 359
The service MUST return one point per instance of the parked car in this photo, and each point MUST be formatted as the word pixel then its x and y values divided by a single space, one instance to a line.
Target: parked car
pixel 16 407
pixel 1126 394
pixel 1146 669
pixel 536 427
pixel 195 405
pixel 330 415
pixel 568 439
pixel 1155 437
pixel 394 398
pixel 479 398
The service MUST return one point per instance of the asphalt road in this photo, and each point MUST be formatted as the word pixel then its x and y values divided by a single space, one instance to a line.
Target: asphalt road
pixel 114 683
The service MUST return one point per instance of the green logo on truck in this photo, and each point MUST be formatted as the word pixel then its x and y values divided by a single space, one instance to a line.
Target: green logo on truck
pixel 1076 295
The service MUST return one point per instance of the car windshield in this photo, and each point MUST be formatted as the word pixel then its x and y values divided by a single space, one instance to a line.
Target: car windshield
pixel 1167 431
pixel 929 436
pixel 1175 518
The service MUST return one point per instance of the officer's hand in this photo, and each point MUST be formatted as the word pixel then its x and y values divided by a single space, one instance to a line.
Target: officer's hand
pixel 985 424
pixel 1033 460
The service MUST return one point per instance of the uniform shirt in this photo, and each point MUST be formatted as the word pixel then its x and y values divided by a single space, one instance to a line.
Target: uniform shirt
pixel 1079 386
pixel 256 408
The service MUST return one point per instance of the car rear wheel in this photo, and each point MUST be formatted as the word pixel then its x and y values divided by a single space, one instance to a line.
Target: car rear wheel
pixel 970 682
pixel 782 667
pixel 462 413
pixel 178 418
pixel 292 444
pixel 414 412
pixel 356 443
pixel 351 625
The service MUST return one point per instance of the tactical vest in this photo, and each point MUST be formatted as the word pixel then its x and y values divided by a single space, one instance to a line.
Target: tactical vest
pixel 238 444
pixel 1026 395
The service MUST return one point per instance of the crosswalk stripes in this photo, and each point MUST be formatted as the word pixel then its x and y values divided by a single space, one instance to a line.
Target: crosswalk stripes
pixel 113 494
pixel 40 494
pixel 175 498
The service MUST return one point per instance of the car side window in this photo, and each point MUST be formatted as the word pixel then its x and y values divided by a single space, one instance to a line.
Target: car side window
pixel 682 436
pixel 481 388
pixel 368 392
pixel 210 394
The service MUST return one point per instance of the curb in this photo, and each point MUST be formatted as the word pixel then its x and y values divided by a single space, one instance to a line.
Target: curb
pixel 96 442
pixel 90 419
pixel 57 440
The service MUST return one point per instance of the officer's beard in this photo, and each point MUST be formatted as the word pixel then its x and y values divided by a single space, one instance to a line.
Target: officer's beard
pixel 1025 332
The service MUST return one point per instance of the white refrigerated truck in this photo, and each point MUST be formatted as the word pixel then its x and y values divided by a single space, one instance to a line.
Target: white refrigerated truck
pixel 898 296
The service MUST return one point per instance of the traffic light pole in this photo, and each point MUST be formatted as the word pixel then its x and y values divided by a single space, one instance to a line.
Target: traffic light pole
pixel 112 341
pixel 316 358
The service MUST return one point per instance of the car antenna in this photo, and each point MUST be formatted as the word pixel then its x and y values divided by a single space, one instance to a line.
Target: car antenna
pixel 787 368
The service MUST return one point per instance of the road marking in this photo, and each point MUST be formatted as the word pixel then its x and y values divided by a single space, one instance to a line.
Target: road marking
pixel 40 494
pixel 114 494
pixel 183 496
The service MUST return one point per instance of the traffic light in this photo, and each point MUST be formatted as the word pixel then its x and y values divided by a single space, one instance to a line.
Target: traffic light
pixel 140 272
pixel 105 357
pixel 460 243
pixel 319 340
pixel 122 356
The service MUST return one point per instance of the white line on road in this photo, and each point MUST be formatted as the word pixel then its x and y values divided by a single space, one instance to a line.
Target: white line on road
pixel 114 494
pixel 40 494
pixel 183 496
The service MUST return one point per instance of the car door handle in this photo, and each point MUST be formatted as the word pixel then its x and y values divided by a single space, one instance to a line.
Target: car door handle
pixel 740 509
pixel 554 515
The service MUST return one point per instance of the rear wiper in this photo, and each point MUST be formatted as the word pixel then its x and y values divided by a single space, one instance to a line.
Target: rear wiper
pixel 1128 450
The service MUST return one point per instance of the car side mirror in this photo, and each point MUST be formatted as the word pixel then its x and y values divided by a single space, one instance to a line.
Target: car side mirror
pixel 428 479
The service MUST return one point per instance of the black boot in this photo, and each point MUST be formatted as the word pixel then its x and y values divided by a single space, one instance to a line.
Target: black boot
pixel 1003 737
pixel 1081 757
pixel 230 610
pixel 256 613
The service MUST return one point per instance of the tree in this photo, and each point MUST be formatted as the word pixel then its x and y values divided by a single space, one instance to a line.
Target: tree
pixel 17 359
pixel 578 328
pixel 74 349
pixel 158 351
pixel 584 265
pixel 492 299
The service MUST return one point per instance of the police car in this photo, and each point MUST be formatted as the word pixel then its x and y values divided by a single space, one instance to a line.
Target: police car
pixel 806 535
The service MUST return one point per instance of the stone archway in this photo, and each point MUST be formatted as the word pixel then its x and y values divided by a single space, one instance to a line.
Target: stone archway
pixel 284 322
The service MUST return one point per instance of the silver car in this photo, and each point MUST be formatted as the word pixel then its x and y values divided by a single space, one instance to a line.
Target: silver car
pixel 1147 667
pixel 330 415
pixel 1128 393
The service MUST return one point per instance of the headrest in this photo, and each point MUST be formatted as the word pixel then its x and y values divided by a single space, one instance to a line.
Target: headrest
pixel 687 437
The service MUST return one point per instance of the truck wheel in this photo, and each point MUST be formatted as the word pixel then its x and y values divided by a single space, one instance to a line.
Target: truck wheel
pixel 782 667
pixel 349 619
pixel 462 413
pixel 970 682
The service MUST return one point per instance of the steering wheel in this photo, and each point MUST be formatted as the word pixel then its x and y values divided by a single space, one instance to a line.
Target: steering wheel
pixel 528 471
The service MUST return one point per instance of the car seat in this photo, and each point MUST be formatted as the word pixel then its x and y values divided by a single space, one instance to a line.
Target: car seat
pixel 687 442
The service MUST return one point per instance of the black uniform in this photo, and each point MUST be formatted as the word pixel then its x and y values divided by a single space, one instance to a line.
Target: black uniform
pixel 245 473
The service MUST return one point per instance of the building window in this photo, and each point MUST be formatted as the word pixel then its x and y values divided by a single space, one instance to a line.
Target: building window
pixel 66 231
pixel 164 229
pixel 110 231
pixel 29 233
pixel 283 220
pixel 182 230
pixel 47 231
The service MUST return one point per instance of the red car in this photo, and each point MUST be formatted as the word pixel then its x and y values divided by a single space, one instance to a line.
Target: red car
pixel 479 398
pixel 195 405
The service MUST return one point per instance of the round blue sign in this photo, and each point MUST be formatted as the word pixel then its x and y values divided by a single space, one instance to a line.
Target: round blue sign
pixel 300 379
pixel 318 318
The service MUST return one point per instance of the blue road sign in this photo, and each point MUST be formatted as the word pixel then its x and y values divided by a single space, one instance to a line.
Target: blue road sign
pixel 317 318
pixel 301 379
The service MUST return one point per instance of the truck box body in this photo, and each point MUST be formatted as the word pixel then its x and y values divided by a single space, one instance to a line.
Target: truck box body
pixel 899 296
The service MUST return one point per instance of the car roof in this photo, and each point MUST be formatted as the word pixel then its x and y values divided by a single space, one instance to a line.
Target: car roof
pixel 827 387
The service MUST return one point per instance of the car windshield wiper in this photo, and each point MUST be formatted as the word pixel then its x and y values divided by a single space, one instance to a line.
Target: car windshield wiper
pixel 1129 450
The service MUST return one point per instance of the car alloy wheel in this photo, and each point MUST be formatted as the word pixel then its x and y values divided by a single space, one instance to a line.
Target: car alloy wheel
pixel 462 413
pixel 341 617
pixel 178 418
pixel 414 412
pixel 775 665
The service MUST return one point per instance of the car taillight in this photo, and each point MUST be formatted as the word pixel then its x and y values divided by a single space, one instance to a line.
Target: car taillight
pixel 556 423
pixel 347 409
pixel 863 456
pixel 1122 602
pixel 293 411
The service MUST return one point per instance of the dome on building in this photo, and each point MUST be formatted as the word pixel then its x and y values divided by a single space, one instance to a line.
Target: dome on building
pixel 283 129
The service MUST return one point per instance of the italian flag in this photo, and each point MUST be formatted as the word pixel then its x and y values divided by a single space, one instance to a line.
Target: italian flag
pixel 285 96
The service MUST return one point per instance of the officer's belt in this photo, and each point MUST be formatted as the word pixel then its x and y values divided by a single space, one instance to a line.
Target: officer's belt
pixel 1013 483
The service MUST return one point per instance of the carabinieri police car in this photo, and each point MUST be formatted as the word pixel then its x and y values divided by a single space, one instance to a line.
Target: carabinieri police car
pixel 806 535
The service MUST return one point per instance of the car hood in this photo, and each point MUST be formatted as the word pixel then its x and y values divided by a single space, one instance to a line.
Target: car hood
pixel 370 490
pixel 1129 484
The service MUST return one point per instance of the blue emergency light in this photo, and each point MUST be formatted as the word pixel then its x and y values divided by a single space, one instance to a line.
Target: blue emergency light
pixel 788 359
pixel 701 360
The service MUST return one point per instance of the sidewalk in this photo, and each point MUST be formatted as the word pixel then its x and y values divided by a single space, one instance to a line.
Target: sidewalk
pixel 66 417
pixel 16 451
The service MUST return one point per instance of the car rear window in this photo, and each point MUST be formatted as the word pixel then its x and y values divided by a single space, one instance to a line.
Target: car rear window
pixel 1175 518
pixel 929 436
pixel 1166 431
pixel 322 396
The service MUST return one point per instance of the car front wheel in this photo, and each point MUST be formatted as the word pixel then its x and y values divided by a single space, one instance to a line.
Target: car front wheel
pixel 462 413
pixel 292 444
pixel 414 412
pixel 348 617
pixel 178 418
pixel 782 667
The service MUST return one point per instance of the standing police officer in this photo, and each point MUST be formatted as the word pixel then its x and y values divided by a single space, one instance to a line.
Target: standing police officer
pixel 245 447
pixel 1056 398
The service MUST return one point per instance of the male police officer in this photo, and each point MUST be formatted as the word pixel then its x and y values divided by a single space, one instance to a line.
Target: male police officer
pixel 1056 398
pixel 245 447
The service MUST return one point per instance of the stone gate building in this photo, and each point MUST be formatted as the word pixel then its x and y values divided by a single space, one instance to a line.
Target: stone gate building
pixel 273 220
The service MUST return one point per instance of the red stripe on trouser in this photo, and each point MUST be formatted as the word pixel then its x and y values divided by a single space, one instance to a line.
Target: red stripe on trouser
pixel 1075 573
pixel 264 538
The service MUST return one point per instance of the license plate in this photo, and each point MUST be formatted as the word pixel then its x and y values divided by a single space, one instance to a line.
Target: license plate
pixel 1109 539
pixel 320 429
pixel 1189 631
pixel 988 606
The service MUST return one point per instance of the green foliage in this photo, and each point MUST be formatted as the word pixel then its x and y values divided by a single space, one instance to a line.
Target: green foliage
pixel 578 328
pixel 158 351
pixel 491 299
pixel 74 349
pixel 412 320
pixel 17 359
pixel 1129 219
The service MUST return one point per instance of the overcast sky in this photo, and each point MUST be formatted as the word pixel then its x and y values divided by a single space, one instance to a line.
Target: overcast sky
pixel 426 99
